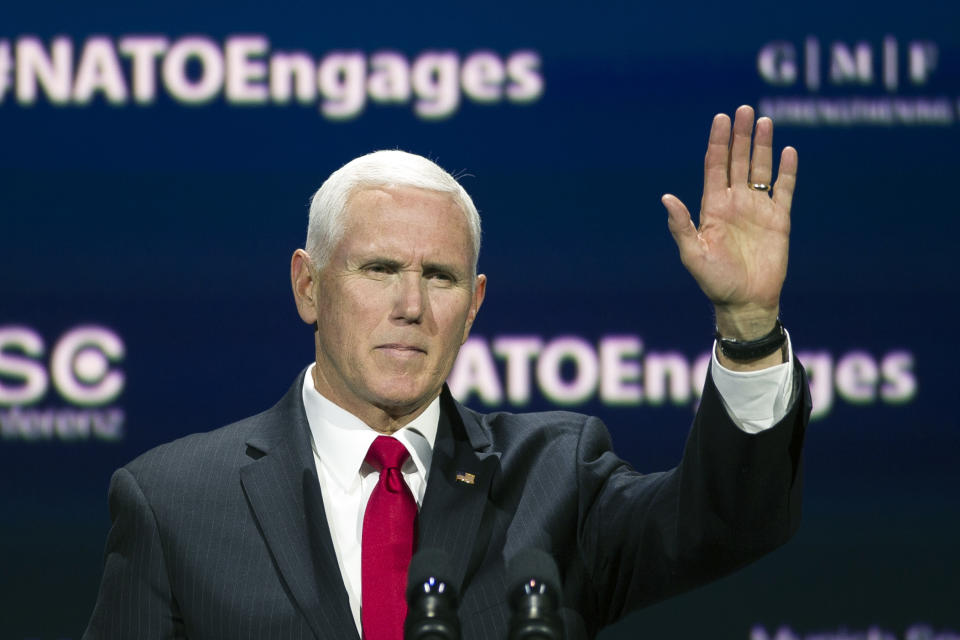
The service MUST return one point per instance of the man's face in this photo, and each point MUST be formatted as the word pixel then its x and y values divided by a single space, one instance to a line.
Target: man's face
pixel 393 305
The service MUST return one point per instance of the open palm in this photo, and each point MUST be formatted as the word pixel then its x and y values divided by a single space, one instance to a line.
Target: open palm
pixel 738 254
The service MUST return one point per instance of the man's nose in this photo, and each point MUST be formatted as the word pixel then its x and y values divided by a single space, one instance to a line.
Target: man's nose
pixel 411 298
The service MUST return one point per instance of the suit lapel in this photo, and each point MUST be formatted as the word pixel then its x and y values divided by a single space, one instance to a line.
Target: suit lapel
pixel 282 488
pixel 457 488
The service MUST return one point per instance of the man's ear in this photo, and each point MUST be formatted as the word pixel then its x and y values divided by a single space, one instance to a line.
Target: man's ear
pixel 303 279
pixel 479 291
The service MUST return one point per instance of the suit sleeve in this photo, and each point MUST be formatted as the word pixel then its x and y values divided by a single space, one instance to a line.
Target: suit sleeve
pixel 135 600
pixel 734 497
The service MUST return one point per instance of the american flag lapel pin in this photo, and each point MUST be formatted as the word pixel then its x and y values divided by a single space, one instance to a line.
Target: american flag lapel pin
pixel 466 478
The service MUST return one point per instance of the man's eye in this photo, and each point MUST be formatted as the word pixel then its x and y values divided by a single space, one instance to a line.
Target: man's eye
pixel 441 276
pixel 378 267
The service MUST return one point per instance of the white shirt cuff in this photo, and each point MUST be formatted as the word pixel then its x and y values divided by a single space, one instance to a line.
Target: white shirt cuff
pixel 755 400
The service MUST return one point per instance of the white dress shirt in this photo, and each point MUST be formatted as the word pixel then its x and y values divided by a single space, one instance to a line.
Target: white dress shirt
pixel 755 400
pixel 340 444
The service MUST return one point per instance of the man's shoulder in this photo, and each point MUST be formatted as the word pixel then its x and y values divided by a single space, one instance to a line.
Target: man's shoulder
pixel 503 426
pixel 554 420
pixel 554 444
pixel 226 448
pixel 216 449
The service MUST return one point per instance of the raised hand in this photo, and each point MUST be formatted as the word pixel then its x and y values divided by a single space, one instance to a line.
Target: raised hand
pixel 738 254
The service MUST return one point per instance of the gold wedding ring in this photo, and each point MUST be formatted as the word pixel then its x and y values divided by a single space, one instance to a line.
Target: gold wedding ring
pixel 759 186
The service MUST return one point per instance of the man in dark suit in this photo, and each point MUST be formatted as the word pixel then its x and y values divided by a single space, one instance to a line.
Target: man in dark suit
pixel 294 524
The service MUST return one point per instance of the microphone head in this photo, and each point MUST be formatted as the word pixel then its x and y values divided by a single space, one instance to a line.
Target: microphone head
pixel 532 569
pixel 431 571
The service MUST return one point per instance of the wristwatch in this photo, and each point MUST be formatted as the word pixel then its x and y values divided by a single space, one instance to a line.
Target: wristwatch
pixel 744 351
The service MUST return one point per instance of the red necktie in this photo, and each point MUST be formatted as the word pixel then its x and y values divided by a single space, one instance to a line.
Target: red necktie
pixel 388 540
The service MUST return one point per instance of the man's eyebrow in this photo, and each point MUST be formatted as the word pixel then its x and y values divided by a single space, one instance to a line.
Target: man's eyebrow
pixel 393 263
pixel 441 266
pixel 374 258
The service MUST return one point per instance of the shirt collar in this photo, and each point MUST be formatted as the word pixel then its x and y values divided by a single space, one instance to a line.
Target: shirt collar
pixel 341 440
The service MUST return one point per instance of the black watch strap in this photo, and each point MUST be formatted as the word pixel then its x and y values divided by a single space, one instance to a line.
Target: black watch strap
pixel 744 351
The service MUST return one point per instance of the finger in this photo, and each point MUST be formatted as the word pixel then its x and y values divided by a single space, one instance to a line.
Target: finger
pixel 715 162
pixel 761 162
pixel 786 178
pixel 740 147
pixel 680 225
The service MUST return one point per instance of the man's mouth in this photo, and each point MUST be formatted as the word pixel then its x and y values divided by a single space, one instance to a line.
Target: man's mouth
pixel 400 349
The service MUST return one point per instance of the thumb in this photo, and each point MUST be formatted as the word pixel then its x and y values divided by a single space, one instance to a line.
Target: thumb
pixel 680 225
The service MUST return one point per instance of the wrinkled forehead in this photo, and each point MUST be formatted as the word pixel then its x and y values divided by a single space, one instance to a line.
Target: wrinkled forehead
pixel 381 211
pixel 384 203
pixel 365 197
pixel 388 207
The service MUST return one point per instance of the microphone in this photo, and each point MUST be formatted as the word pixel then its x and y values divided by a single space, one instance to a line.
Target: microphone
pixel 431 598
pixel 534 593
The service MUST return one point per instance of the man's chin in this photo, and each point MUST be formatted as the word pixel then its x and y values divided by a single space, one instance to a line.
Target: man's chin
pixel 403 405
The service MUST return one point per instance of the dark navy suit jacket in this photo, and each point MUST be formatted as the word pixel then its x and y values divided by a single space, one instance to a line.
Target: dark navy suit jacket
pixel 223 534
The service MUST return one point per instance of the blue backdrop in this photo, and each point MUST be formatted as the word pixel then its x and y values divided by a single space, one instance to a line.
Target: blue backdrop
pixel 157 162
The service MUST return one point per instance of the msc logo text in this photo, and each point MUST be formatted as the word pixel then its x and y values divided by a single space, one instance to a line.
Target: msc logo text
pixel 82 367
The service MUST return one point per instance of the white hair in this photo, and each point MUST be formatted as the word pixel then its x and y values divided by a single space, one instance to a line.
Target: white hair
pixel 379 169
